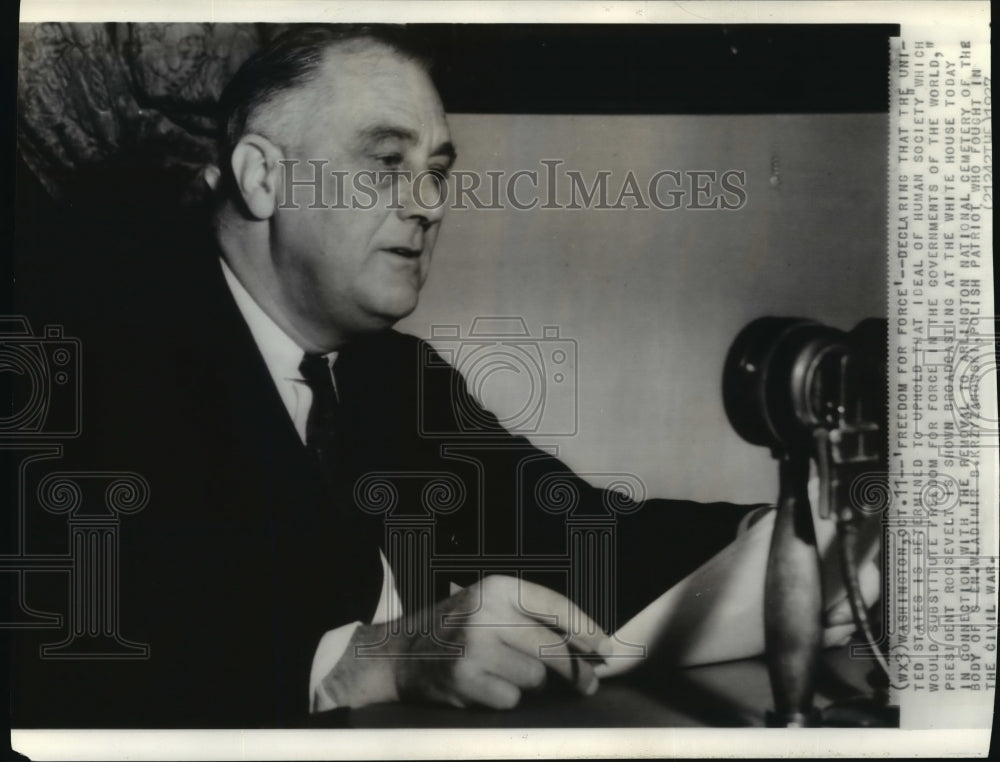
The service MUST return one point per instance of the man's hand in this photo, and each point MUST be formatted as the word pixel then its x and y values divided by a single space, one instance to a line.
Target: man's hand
pixel 485 645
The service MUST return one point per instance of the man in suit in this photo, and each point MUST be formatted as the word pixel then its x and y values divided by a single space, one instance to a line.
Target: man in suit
pixel 256 382
pixel 326 284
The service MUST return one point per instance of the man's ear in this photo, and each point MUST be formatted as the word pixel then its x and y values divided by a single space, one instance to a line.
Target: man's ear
pixel 256 170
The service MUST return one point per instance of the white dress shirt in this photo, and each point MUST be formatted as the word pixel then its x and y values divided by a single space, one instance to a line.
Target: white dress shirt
pixel 283 357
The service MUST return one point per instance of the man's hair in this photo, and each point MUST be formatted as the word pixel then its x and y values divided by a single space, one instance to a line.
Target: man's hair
pixel 290 61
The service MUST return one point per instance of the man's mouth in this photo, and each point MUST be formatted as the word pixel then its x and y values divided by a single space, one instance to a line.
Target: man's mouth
pixel 404 251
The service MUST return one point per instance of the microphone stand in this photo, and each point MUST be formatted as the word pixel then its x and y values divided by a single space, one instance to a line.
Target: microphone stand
pixel 793 625
pixel 793 601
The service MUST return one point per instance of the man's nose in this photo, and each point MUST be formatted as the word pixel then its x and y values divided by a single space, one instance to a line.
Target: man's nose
pixel 422 197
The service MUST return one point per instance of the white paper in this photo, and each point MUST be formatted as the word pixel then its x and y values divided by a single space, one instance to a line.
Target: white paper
pixel 716 613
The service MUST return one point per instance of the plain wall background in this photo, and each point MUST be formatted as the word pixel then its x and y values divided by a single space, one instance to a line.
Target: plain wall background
pixel 652 298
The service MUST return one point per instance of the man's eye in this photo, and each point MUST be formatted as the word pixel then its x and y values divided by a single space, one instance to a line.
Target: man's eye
pixel 389 160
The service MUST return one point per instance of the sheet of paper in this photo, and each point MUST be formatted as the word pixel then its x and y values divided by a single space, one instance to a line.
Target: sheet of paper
pixel 716 613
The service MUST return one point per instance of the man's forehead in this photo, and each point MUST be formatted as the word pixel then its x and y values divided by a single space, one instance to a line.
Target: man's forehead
pixel 361 89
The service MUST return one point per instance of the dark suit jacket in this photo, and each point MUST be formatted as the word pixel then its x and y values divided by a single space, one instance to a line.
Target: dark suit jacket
pixel 247 552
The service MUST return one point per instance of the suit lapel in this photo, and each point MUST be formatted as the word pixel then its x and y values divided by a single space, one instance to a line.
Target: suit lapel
pixel 312 553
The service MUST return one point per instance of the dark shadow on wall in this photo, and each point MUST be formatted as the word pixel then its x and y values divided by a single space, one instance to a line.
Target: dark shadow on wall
pixel 90 255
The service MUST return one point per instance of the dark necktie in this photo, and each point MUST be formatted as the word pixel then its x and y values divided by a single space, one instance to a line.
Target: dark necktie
pixel 322 423
pixel 345 540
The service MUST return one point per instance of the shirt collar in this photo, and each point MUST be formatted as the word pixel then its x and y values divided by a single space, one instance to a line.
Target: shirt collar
pixel 281 354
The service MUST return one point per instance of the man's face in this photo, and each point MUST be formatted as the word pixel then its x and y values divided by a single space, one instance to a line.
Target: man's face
pixel 372 116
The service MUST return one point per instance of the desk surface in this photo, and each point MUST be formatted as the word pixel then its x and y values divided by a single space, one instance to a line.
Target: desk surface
pixel 731 694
